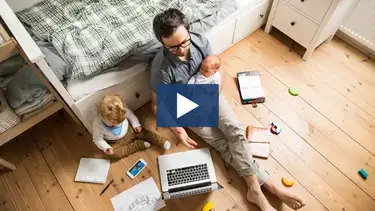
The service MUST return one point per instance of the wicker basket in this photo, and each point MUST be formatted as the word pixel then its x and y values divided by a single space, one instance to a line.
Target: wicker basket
pixel 8 118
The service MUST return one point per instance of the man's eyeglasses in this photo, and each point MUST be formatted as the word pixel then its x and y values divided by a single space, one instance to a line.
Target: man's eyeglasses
pixel 184 44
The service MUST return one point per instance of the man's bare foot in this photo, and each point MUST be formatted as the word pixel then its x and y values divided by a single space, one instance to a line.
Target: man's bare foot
pixel 292 200
pixel 258 198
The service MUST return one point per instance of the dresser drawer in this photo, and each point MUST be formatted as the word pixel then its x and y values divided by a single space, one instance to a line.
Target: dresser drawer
pixel 138 93
pixel 294 24
pixel 221 37
pixel 313 8
pixel 251 21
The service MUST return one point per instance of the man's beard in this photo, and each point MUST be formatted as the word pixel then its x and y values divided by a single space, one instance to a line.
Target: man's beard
pixel 182 54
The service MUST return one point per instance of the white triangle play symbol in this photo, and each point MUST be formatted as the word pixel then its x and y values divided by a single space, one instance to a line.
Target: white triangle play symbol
pixel 184 105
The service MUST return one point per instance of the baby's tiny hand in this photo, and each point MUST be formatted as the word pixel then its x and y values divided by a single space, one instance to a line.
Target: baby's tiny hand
pixel 109 151
pixel 138 129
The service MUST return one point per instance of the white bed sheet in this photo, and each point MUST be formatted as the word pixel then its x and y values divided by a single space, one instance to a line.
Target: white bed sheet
pixel 79 89
pixel 245 3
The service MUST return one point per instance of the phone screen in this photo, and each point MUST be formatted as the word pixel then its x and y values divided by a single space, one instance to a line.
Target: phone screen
pixel 137 168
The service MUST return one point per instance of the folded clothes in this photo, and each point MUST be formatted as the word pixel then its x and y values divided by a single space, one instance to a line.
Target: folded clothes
pixel 5 80
pixel 24 87
pixel 30 114
pixel 35 105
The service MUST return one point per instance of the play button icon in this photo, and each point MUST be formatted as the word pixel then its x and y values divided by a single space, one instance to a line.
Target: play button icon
pixel 187 105
pixel 184 105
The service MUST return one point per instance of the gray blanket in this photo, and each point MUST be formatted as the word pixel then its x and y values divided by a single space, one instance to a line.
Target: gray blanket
pixel 24 87
pixel 93 35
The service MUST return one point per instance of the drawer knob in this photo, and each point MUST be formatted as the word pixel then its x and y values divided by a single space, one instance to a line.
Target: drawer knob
pixel 302 0
pixel 292 23
pixel 137 95
pixel 261 15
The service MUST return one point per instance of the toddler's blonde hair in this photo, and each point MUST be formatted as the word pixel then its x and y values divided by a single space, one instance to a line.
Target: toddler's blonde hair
pixel 112 108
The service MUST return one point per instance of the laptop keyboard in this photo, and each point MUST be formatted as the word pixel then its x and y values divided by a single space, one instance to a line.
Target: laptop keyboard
pixel 187 174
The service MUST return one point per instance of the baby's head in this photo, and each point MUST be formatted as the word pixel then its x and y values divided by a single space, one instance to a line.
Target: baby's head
pixel 210 65
pixel 111 110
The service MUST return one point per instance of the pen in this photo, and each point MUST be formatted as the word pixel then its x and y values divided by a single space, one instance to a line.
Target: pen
pixel 106 187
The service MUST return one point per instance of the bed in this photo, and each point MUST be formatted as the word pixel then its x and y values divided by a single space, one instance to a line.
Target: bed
pixel 229 24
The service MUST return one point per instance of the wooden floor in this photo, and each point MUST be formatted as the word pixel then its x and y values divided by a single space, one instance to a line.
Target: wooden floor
pixel 328 134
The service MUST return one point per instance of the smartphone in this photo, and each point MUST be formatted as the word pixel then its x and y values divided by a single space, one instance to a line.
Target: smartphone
pixel 136 168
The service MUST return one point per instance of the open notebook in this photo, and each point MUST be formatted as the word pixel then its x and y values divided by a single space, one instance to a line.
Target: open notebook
pixel 259 143
pixel 92 170
pixel 250 87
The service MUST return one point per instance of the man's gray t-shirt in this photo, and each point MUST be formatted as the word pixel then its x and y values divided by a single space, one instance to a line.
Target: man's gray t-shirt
pixel 167 68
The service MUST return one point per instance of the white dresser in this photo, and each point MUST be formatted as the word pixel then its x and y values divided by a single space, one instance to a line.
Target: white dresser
pixel 308 22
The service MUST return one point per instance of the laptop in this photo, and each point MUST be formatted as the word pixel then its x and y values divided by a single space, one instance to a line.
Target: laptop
pixel 187 173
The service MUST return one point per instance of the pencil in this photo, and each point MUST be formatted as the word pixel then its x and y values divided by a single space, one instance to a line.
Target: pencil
pixel 106 187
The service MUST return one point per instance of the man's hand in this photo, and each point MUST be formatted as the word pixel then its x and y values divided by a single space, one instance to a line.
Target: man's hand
pixel 109 151
pixel 184 138
pixel 138 129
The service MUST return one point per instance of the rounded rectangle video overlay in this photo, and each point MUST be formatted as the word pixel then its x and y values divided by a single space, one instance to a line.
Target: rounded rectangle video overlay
pixel 187 105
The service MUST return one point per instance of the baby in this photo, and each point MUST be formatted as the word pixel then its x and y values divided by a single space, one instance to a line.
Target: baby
pixel 209 71
pixel 112 125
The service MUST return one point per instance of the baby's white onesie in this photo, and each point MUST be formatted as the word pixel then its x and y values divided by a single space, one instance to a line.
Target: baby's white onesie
pixel 201 79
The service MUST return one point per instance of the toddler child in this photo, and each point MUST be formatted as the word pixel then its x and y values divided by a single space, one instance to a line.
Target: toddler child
pixel 209 71
pixel 112 125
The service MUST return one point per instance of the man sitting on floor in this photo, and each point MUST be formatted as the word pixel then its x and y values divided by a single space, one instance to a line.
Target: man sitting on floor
pixel 179 59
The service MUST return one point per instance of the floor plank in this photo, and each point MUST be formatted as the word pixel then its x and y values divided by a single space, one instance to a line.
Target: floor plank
pixel 279 106
pixel 281 170
pixel 63 161
pixel 6 201
pixel 348 71
pixel 288 68
pixel 294 164
pixel 325 124
pixel 42 177
pixel 18 181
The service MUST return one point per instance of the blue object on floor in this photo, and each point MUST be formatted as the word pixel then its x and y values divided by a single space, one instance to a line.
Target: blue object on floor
pixel 363 173
pixel 275 128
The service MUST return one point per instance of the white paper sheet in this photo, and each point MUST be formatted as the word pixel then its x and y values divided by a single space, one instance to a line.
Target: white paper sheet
pixel 144 196
pixel 261 136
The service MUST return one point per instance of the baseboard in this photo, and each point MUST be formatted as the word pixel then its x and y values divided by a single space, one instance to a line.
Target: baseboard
pixel 355 44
